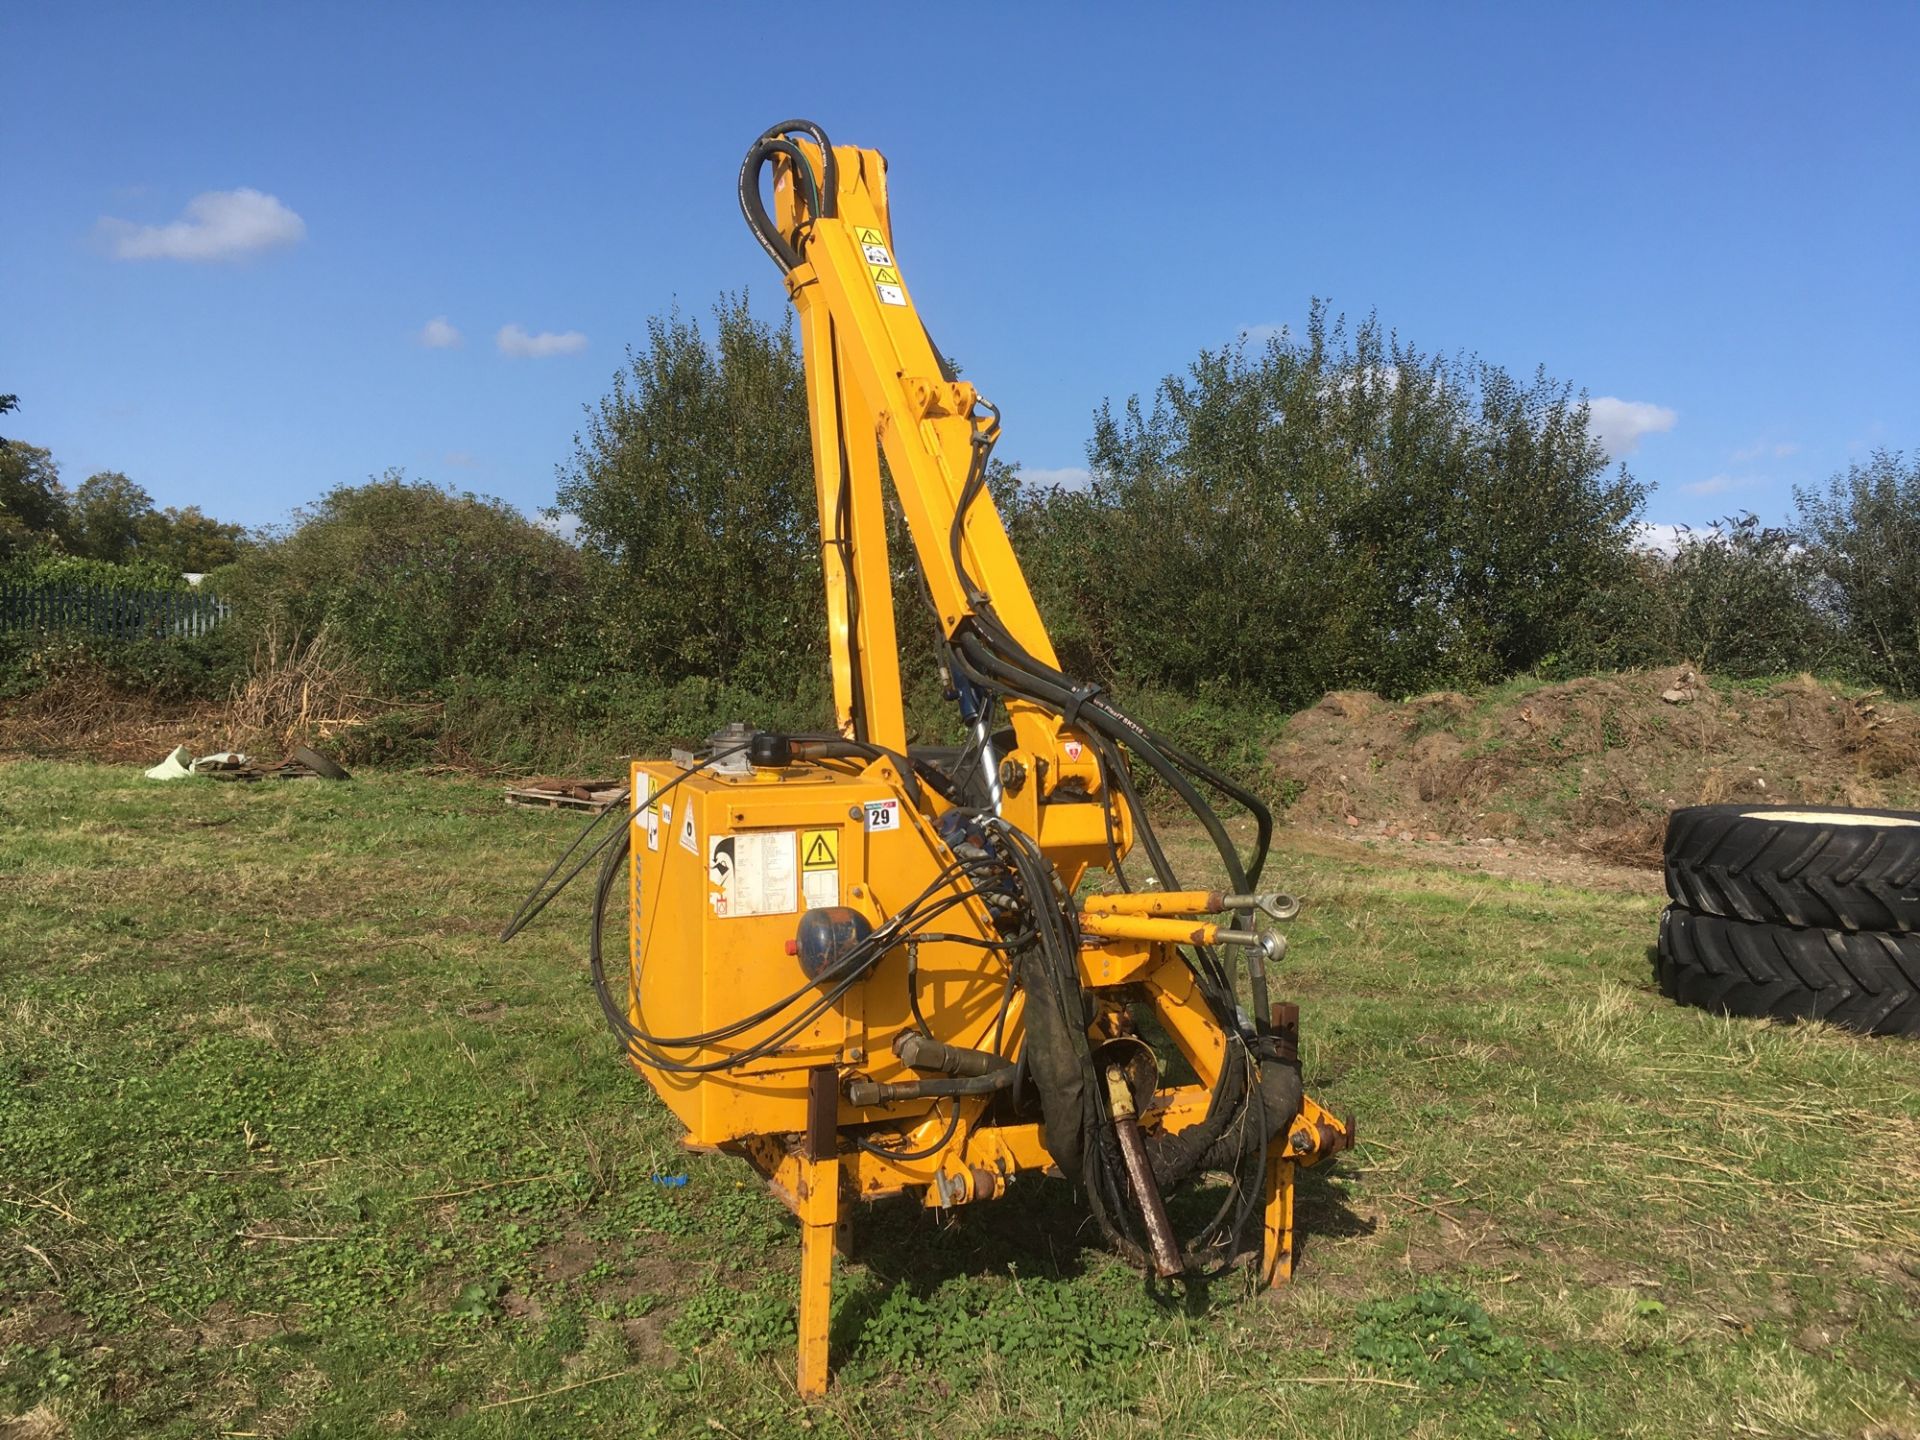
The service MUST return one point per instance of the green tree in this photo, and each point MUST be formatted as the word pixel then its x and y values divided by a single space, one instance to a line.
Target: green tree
pixel 422 585
pixel 1744 599
pixel 1341 509
pixel 693 487
pixel 108 516
pixel 33 502
pixel 189 541
pixel 1863 530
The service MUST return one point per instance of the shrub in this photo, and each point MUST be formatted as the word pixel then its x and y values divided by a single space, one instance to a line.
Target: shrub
pixel 1747 600
pixel 693 486
pixel 1339 510
pixel 1863 532
pixel 420 585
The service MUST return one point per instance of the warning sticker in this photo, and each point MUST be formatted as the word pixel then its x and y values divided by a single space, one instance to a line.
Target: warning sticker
pixel 891 295
pixel 867 235
pixel 819 869
pixel 646 817
pixel 1073 749
pixel 876 254
pixel 689 837
pixel 883 815
pixel 753 873
pixel 883 276
pixel 819 849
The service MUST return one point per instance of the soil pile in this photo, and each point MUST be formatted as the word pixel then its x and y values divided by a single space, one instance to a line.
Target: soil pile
pixel 1593 764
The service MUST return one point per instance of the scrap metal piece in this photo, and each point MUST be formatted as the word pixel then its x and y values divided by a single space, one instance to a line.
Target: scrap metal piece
pixel 321 765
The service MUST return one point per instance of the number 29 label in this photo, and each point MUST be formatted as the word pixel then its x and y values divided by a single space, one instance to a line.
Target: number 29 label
pixel 883 815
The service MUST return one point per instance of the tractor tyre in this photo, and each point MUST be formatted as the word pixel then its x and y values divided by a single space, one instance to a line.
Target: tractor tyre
pixel 1851 870
pixel 1868 982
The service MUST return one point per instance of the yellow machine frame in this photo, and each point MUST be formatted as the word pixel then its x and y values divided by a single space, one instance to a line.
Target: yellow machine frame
pixel 730 856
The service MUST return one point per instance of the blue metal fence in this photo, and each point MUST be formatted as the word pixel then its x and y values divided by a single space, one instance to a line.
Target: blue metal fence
pixel 104 610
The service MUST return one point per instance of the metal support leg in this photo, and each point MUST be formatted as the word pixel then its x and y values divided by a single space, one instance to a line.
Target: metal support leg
pixel 819 1215
pixel 1276 1258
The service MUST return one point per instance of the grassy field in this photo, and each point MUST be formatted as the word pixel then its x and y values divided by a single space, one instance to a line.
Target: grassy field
pixel 290 1146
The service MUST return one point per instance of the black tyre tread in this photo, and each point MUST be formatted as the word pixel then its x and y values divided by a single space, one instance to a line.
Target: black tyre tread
pixel 1737 862
pixel 1868 982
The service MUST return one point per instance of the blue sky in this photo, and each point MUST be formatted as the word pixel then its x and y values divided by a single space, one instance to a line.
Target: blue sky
pixel 230 225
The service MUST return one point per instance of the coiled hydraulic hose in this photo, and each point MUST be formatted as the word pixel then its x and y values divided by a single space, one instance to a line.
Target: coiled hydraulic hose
pixel 822 191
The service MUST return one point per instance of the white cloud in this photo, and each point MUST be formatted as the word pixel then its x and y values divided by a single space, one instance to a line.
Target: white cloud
pixel 219 225
pixel 515 341
pixel 1661 538
pixel 439 333
pixel 1619 425
pixel 1658 538
pixel 1068 477
pixel 1712 485
pixel 563 523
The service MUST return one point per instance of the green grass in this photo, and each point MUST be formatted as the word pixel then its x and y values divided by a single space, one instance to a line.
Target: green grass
pixel 290 1146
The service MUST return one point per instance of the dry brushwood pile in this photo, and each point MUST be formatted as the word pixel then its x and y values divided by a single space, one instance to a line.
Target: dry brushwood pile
pixel 1593 764
pixel 295 692
pixel 81 714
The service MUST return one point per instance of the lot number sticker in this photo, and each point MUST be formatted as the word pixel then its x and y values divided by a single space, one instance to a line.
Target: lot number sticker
pixel 883 815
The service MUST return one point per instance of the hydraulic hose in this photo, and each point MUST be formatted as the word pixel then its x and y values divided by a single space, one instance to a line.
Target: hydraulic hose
pixel 822 190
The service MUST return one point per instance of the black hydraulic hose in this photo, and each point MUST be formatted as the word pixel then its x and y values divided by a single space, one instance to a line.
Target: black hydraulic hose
pixel 755 208
pixel 866 1092
pixel 829 167
pixel 1069 695
pixel 540 896
pixel 843 543
pixel 1060 698
pixel 986 654
pixel 1215 982
pixel 842 976
pixel 839 747
pixel 873 1147
pixel 823 190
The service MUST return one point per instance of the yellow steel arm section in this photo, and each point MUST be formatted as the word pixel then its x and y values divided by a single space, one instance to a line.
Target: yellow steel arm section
pixel 874 378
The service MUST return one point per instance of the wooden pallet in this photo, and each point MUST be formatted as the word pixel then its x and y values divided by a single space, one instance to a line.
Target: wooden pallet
pixel 593 795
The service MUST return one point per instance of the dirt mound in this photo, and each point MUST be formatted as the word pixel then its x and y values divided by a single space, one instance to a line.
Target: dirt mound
pixel 1594 763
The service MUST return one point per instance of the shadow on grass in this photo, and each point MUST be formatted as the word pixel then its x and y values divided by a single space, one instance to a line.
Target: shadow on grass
pixel 1041 1228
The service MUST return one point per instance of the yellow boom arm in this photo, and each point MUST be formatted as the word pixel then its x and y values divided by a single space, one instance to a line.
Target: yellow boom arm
pixel 876 385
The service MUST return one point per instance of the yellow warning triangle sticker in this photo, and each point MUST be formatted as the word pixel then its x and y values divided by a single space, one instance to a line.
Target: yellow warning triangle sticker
pixel 884 276
pixel 869 236
pixel 820 852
